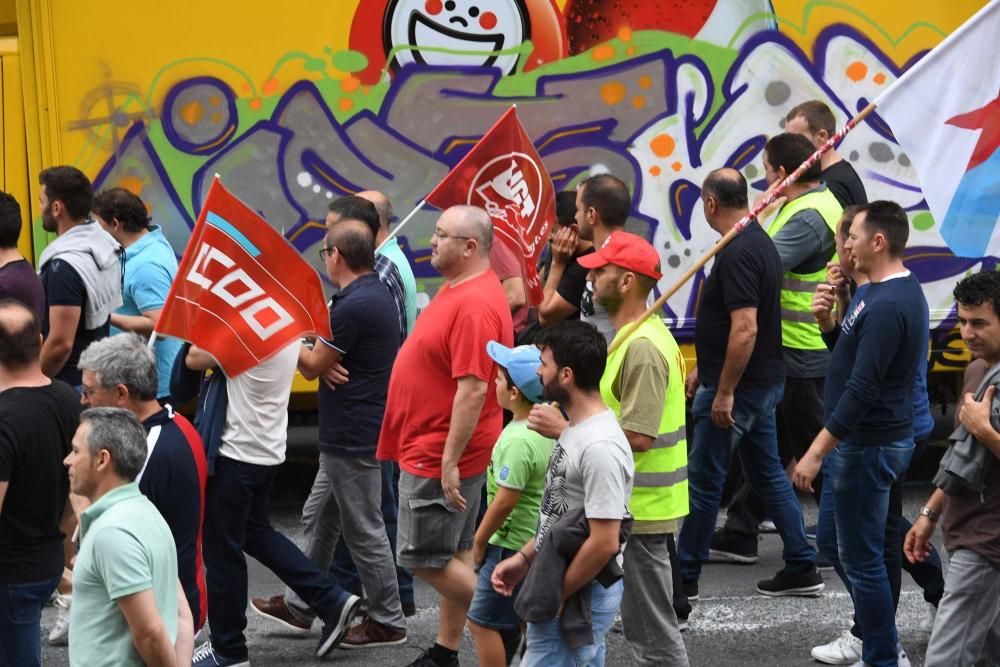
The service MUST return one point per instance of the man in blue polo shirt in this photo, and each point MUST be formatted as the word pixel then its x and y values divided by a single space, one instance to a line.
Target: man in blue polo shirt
pixel 150 268
pixel 365 340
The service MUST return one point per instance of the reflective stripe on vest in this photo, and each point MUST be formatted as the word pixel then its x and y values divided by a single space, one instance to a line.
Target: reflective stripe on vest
pixel 659 488
pixel 798 326
pixel 654 479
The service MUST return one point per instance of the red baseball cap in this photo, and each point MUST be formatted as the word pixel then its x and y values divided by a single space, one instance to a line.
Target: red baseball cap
pixel 628 251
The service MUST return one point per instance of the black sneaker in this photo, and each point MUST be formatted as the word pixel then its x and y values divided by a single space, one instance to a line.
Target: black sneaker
pixel 800 584
pixel 734 547
pixel 425 660
pixel 691 589
pixel 811 532
pixel 335 628
pixel 823 564
pixel 682 623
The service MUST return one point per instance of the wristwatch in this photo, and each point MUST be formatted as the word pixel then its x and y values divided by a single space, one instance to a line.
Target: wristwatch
pixel 930 514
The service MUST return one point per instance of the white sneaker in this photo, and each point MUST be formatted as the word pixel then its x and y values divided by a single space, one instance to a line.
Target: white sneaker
pixel 844 650
pixel 901 660
pixel 59 635
pixel 767 526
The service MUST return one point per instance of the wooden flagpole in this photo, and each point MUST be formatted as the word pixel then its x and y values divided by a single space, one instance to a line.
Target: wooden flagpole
pixel 740 226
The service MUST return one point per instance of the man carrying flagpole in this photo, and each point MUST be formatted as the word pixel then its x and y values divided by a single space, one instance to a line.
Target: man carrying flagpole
pixel 441 421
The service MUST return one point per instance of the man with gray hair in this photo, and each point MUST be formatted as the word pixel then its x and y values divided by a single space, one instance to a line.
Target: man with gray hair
pixel 121 371
pixel 441 420
pixel 128 607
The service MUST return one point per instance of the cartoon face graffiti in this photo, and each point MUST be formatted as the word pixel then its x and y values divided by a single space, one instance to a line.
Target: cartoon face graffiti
pixel 455 32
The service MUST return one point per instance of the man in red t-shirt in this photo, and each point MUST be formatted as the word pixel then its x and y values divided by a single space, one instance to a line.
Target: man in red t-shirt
pixel 441 420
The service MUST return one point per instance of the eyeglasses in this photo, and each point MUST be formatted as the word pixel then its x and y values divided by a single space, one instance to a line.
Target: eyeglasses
pixel 324 252
pixel 88 391
pixel 442 236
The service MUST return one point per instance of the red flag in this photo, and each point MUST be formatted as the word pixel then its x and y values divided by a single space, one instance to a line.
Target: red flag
pixel 242 292
pixel 503 174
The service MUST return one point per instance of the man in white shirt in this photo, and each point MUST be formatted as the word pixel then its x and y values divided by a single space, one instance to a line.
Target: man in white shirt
pixel 237 500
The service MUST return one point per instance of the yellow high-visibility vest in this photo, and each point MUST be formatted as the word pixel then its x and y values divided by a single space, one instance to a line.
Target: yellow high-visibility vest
pixel 660 486
pixel 798 326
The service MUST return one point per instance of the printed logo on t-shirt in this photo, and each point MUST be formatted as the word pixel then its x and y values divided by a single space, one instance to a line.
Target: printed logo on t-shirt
pixel 587 301
pixel 554 503
pixel 849 322
pixel 504 473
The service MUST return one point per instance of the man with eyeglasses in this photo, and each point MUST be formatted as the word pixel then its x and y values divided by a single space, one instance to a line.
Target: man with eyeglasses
pixel 365 340
pixel 441 421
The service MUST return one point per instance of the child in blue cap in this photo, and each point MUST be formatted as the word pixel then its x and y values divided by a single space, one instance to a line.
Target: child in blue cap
pixel 515 481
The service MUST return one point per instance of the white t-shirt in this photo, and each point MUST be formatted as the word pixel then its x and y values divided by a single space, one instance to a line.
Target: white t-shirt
pixel 591 467
pixel 257 416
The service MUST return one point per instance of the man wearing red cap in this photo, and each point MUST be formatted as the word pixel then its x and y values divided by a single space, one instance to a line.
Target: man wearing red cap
pixel 643 383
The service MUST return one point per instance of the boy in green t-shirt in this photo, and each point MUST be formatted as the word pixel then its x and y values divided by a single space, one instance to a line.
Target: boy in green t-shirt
pixel 515 481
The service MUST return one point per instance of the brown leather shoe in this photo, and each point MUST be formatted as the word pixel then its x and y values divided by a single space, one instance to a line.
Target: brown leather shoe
pixel 369 634
pixel 275 609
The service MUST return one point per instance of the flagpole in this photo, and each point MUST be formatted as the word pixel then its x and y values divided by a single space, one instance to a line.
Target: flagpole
pixel 400 226
pixel 768 199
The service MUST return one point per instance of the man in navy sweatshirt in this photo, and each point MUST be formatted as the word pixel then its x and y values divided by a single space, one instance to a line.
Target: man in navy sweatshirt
pixel 868 437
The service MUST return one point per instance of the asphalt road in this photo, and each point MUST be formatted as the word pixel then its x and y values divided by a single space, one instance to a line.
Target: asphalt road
pixel 731 624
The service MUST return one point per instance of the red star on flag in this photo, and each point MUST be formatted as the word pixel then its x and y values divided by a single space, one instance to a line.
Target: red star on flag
pixel 987 119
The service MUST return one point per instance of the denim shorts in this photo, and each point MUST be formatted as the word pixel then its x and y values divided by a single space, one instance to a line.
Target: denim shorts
pixel 489 609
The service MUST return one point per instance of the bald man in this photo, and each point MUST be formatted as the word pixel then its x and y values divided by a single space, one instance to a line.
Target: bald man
pixel 441 420
pixel 394 254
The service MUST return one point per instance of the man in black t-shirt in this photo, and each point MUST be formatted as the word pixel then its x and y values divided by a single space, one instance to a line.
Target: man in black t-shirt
pixel 739 381
pixel 566 279
pixel 38 417
pixel 815 122
pixel 365 338
pixel 81 273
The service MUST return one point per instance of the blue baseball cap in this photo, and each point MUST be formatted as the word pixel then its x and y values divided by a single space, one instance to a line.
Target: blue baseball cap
pixel 521 363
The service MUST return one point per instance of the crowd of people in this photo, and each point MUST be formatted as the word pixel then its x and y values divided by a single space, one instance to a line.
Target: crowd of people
pixel 547 470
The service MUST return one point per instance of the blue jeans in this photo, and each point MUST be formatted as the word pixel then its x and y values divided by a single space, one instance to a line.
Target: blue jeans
pixel 546 647
pixel 20 622
pixel 237 500
pixel 343 569
pixel 754 437
pixel 859 496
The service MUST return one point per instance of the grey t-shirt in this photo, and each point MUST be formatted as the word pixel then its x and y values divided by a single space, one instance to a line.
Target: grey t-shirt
pixel 594 313
pixel 591 467
pixel 805 244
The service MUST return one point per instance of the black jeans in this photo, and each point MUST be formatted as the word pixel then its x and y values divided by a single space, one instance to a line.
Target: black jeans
pixel 237 500
pixel 799 419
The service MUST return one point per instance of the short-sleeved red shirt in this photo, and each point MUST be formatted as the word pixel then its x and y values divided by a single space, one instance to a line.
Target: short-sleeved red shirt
pixel 448 342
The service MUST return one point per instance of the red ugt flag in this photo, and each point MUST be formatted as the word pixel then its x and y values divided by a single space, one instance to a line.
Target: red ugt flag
pixel 503 174
pixel 242 293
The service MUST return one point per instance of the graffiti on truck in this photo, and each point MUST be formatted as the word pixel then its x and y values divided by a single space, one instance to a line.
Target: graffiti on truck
pixel 633 95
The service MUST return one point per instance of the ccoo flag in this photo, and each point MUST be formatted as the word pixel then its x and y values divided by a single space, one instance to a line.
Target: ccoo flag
pixel 945 112
pixel 504 175
pixel 242 293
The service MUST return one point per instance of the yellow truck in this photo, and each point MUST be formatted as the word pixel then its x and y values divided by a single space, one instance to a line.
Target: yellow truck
pixel 297 103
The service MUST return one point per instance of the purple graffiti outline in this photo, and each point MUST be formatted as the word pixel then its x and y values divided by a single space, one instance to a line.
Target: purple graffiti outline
pixel 174 137
pixel 138 133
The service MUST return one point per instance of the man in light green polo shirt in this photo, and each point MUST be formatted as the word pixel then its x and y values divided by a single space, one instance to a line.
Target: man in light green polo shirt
pixel 128 606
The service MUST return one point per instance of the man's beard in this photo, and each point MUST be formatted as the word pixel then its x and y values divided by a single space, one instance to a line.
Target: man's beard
pixel 611 301
pixel 551 391
pixel 48 222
